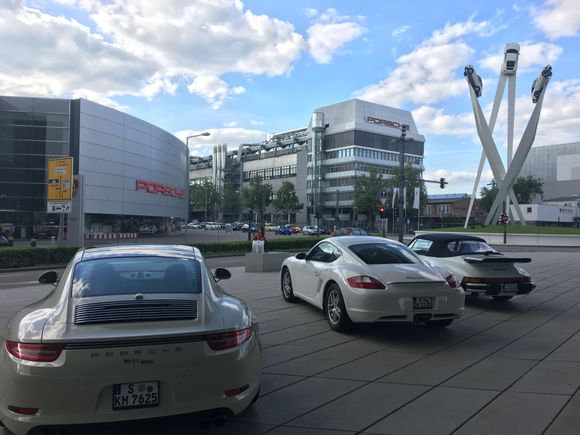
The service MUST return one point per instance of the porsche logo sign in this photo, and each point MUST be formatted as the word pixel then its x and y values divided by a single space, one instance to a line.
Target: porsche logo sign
pixel 158 188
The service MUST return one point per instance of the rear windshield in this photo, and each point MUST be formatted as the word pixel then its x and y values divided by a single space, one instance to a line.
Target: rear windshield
pixel 130 275
pixel 383 253
pixel 461 247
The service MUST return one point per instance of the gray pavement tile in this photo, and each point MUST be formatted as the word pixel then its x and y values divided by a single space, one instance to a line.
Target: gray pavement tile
pixel 325 339
pixel 294 333
pixel 510 329
pixel 491 374
pixel 448 408
pixel 230 427
pixel 372 366
pixel 290 402
pixel 552 377
pixel 515 413
pixel 360 408
pixel 568 421
pixel 275 382
pixel 568 351
pixel 278 354
pixel 289 430
pixel 285 322
pixel 317 362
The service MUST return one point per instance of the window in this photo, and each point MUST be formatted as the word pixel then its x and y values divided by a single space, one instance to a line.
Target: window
pixel 461 247
pixel 428 209
pixel 421 246
pixel 130 275
pixel 528 209
pixel 383 253
pixel 324 252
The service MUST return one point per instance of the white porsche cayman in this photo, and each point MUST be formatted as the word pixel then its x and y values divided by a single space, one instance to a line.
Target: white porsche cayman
pixel 370 279
pixel 129 332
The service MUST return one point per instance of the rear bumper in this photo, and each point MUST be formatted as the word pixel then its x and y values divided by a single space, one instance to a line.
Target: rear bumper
pixel 495 289
pixel 77 390
pixel 393 305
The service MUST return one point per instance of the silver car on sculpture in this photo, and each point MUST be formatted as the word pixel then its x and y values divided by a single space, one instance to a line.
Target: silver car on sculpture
pixel 128 332
pixel 370 279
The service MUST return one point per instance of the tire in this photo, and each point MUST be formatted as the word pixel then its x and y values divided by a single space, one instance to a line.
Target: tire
pixel 439 323
pixel 502 298
pixel 335 310
pixel 287 290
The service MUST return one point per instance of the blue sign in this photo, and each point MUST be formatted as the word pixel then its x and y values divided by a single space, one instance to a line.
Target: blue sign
pixel 384 193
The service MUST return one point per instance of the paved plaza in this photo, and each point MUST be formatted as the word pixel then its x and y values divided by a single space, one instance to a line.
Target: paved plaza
pixel 504 368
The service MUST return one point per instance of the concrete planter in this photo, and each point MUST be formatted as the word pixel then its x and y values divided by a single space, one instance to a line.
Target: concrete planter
pixel 266 262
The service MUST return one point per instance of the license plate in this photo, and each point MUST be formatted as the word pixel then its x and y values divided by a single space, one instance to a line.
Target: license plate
pixel 510 288
pixel 135 395
pixel 422 303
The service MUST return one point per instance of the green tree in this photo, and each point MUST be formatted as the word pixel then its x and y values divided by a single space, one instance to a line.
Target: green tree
pixel 366 194
pixel 525 189
pixel 286 201
pixel 232 204
pixel 257 196
pixel 205 197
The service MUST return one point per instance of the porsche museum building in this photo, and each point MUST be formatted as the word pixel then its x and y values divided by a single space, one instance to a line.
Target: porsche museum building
pixel 340 142
pixel 130 176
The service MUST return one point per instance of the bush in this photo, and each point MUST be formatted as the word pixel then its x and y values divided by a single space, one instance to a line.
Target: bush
pixel 11 258
pixel 28 257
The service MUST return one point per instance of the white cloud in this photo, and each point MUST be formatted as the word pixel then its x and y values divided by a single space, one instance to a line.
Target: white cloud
pixel 532 54
pixel 400 30
pixel 213 89
pixel 330 33
pixel 140 48
pixel 256 123
pixel 558 18
pixel 434 121
pixel 457 177
pixel 429 73
pixel 231 124
pixel 203 145
pixel 311 12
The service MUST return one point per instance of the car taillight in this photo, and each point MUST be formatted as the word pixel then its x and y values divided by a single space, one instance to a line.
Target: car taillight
pixel 363 281
pixel 227 340
pixel 40 352
pixel 452 281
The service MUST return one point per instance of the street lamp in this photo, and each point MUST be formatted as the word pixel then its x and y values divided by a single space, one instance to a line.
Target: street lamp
pixel 205 133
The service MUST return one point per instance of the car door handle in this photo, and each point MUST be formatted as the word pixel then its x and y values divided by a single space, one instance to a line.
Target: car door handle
pixel 316 273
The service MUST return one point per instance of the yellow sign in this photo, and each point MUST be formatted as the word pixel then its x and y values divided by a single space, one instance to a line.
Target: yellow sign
pixel 60 179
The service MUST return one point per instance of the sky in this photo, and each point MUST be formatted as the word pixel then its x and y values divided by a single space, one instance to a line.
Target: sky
pixel 241 70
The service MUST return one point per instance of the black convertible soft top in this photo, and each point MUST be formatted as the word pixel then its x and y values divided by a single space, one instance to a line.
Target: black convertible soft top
pixel 440 241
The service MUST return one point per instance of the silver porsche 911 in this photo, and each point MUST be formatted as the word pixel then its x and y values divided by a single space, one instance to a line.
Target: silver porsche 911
pixel 479 268
pixel 129 332
pixel 371 279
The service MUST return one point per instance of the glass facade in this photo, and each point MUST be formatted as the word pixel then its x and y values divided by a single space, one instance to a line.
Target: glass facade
pixel 32 130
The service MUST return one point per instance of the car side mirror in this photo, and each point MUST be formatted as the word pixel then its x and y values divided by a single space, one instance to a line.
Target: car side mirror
pixel 301 256
pixel 221 273
pixel 48 277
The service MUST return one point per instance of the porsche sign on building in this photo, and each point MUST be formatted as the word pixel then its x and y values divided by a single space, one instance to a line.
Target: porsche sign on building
pixel 128 174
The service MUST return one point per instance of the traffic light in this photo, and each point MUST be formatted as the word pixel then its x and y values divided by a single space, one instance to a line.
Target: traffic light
pixel 382 212
pixel 396 210
pixel 442 183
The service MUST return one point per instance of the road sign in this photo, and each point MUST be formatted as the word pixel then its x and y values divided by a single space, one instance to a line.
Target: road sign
pixel 383 200
pixel 505 218
pixel 384 193
pixel 59 176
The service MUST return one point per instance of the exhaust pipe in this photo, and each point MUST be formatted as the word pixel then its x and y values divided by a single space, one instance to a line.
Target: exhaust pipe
pixel 219 420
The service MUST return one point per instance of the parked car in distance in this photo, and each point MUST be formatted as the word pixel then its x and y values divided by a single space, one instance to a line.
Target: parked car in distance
pixel 510 61
pixel 370 279
pixel 137 331
pixel 3 242
pixel 350 231
pixel 295 228
pixel 479 269
pixel 253 227
pixel 193 226
pixel 310 230
pixel 270 227
pixel 324 230
pixel 283 230
pixel 148 229
pixel 237 226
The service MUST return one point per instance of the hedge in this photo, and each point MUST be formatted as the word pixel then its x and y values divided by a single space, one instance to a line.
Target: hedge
pixel 12 258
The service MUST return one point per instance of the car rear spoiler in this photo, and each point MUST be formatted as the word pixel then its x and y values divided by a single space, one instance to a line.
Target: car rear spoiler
pixel 494 259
